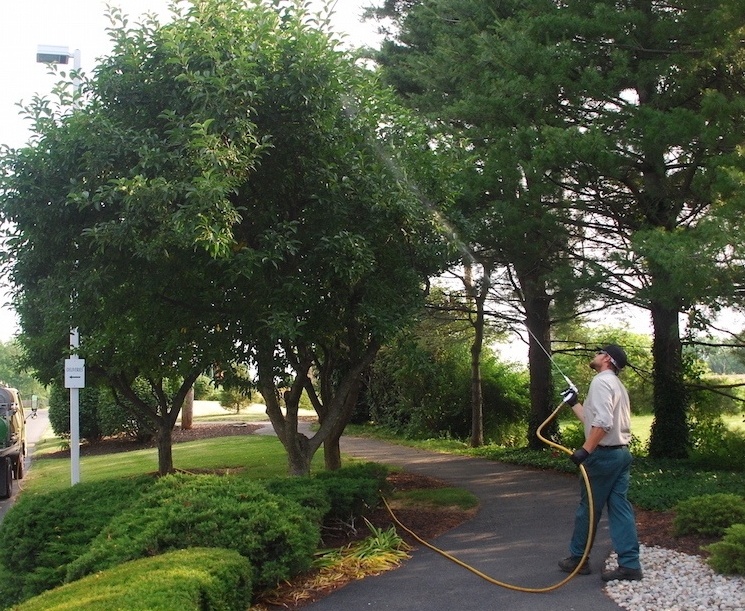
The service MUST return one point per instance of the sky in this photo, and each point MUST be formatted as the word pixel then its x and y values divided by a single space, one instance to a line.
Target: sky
pixel 81 24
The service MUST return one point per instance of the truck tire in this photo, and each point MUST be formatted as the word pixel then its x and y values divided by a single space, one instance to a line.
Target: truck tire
pixel 18 471
pixel 6 478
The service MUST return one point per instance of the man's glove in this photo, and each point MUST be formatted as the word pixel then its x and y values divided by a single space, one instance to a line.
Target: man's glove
pixel 579 456
pixel 569 396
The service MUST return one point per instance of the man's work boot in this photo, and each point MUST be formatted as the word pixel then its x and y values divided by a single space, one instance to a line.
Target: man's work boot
pixel 622 573
pixel 569 564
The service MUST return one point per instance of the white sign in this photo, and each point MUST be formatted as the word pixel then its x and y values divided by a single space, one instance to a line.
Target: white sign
pixel 74 373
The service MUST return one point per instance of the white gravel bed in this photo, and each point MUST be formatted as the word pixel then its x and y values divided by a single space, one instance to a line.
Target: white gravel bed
pixel 674 581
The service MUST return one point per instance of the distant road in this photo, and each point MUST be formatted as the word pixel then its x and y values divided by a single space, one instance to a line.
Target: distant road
pixel 35 428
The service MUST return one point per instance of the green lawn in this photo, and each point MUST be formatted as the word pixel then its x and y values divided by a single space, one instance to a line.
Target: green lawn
pixel 258 456
pixel 641 425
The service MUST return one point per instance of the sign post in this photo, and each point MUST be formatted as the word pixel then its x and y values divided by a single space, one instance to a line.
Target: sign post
pixel 74 380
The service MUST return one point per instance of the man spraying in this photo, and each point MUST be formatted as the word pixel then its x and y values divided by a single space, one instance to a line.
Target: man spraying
pixel 606 415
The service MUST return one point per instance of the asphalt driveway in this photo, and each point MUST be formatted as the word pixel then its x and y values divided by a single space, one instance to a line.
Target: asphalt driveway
pixel 520 532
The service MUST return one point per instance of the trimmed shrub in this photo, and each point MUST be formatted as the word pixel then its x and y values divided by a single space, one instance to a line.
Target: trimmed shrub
pixel 709 514
pixel 728 555
pixel 182 580
pixel 310 494
pixel 100 416
pixel 59 412
pixel 43 533
pixel 182 511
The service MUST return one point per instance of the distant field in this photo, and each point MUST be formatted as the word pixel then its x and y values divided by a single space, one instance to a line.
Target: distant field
pixel 641 425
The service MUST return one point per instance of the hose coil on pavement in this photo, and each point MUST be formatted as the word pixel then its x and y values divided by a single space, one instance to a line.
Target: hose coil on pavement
pixel 496 582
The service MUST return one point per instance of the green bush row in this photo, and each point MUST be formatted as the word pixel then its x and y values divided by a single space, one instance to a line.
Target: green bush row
pixel 182 580
pixel 421 389
pixel 100 416
pixel 275 525
pixel 716 515
pixel 182 511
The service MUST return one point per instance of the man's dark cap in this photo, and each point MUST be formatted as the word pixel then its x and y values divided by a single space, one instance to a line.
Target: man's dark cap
pixel 617 355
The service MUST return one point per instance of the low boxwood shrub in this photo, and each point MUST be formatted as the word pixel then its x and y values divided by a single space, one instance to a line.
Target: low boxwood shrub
pixel 182 511
pixel 182 580
pixel 42 533
pixel 728 555
pixel 708 514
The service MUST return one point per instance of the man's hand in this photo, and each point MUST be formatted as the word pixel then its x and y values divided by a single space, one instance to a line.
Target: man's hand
pixel 569 396
pixel 579 456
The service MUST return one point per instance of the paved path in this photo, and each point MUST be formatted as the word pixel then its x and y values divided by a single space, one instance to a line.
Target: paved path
pixel 521 530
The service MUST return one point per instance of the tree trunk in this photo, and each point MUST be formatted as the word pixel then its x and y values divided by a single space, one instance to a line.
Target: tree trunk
pixel 476 299
pixel 187 411
pixel 537 305
pixel 299 455
pixel 331 449
pixel 162 418
pixel 477 398
pixel 165 449
pixel 669 438
pixel 332 453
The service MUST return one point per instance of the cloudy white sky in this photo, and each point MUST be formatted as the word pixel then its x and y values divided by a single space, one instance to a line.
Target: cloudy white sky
pixel 81 24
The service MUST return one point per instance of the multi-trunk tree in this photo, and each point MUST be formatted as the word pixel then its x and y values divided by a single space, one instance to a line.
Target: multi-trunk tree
pixel 234 191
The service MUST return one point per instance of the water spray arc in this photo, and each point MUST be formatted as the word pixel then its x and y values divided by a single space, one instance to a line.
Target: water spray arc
pixel 451 235
pixel 590 500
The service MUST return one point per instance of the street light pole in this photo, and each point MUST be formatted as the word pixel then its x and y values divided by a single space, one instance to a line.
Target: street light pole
pixel 74 366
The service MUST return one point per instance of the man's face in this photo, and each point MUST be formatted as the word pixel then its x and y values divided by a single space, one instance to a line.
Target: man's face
pixel 599 360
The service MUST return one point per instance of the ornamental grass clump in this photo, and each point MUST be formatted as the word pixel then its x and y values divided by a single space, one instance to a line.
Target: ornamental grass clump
pixel 382 551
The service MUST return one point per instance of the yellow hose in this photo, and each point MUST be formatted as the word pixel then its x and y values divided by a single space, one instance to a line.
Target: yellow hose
pixel 496 582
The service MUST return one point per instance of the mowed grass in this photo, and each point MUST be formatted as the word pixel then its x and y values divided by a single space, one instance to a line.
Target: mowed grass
pixel 641 425
pixel 255 456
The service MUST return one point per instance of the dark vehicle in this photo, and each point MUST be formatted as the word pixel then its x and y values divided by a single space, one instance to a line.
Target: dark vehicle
pixel 12 440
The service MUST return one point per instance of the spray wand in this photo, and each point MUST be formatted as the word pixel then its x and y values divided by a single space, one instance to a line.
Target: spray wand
pixel 591 506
